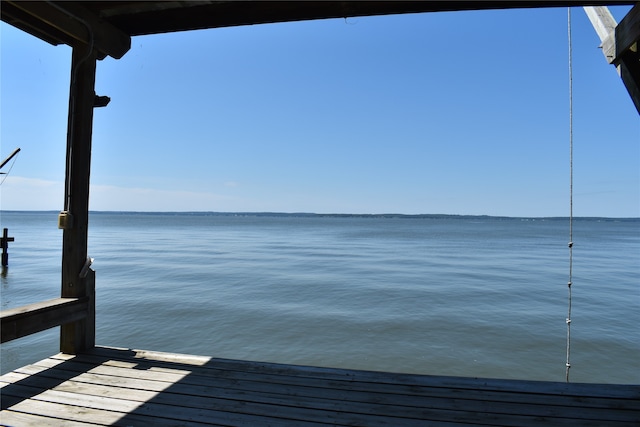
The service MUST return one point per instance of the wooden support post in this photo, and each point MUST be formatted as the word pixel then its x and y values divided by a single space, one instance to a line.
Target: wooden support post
pixel 78 336
pixel 5 246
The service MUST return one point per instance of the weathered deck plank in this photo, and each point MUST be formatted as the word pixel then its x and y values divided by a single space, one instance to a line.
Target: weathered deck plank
pixel 113 378
pixel 126 387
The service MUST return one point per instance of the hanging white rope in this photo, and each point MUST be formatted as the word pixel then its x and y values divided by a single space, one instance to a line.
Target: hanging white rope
pixel 568 362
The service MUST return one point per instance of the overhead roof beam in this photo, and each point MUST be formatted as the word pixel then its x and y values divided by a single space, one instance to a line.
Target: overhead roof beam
pixel 109 19
pixel 153 17
pixel 69 23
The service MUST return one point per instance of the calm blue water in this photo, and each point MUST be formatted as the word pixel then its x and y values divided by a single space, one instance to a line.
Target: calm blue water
pixel 471 296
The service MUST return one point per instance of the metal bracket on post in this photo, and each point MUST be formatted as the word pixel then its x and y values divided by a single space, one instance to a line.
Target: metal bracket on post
pixel 65 220
pixel 85 268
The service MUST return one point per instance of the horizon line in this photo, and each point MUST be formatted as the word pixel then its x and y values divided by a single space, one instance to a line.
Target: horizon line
pixel 334 214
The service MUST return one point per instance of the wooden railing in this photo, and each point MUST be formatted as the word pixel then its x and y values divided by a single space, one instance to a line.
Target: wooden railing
pixel 30 319
pixel 76 316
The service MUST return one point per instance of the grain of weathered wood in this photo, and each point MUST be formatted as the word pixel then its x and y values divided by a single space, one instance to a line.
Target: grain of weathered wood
pixel 624 36
pixel 402 393
pixel 227 399
pixel 146 388
pixel 213 365
pixel 577 394
pixel 12 418
pixel 112 411
pixel 353 390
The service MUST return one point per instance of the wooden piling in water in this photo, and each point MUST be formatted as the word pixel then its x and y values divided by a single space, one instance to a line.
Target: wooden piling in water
pixel 5 246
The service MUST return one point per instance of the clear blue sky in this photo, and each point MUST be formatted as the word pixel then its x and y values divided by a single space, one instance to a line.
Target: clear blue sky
pixel 455 113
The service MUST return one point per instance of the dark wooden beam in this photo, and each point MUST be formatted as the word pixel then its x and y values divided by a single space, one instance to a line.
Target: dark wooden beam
pixel 111 21
pixel 629 69
pixel 69 23
pixel 33 318
pixel 627 54
pixel 152 17
pixel 620 45
pixel 623 37
pixel 28 23
pixel 78 336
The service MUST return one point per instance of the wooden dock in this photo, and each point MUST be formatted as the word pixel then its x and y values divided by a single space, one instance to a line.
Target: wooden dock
pixel 108 386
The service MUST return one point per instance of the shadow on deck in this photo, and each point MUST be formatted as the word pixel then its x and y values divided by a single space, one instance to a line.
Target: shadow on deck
pixel 110 386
